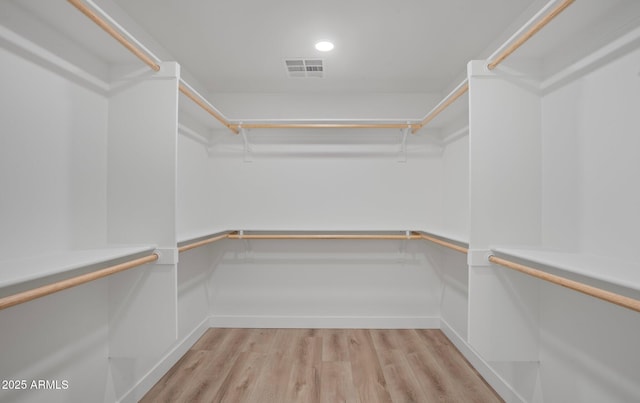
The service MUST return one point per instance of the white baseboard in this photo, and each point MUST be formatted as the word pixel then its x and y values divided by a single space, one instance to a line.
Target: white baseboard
pixel 326 322
pixel 484 369
pixel 164 365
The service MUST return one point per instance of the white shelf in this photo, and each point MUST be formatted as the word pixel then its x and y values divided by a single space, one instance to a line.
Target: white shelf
pixel 613 271
pixel 16 271
pixel 198 235
pixel 449 236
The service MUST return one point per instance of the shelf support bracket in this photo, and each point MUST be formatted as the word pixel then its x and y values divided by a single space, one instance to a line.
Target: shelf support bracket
pixel 247 144
pixel 248 252
pixel 402 155
pixel 167 255
pixel 402 253
pixel 479 257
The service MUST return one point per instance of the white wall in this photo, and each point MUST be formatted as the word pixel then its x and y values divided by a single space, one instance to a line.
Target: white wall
pixel 588 349
pixel 590 197
pixel 194 275
pixel 455 222
pixel 52 161
pixel 195 193
pixel 324 193
pixel 325 106
pixel 53 198
pixel 561 169
pixel 455 294
pixel 56 338
pixel 369 284
pixel 318 284
pixel 194 218
pixel 455 191
pixel 591 161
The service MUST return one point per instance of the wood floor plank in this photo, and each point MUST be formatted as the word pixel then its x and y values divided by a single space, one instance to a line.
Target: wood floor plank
pixel 334 345
pixel 368 377
pixel 384 345
pixel 273 381
pixel 327 365
pixel 306 357
pixel 212 339
pixel 241 379
pixel 306 350
pixel 402 383
pixel 221 359
pixel 283 340
pixel 336 383
pixel 432 380
pixel 407 340
pixel 304 385
pixel 260 340
pixel 433 337
pixel 455 366
pixel 207 381
pixel 173 383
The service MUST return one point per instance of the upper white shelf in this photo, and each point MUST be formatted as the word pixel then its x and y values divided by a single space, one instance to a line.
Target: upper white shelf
pixel 199 235
pixel 617 272
pixel 16 271
pixel 449 236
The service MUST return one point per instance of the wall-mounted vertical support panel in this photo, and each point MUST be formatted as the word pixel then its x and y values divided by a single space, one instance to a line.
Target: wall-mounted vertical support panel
pixel 504 193
pixel 142 160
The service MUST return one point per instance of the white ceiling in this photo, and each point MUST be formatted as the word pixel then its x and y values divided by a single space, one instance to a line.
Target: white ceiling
pixel 380 45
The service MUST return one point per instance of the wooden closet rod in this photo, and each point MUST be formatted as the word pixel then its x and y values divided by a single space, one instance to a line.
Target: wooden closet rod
pixel 148 60
pixel 236 235
pixel 207 241
pixel 464 86
pixel 530 32
pixel 324 126
pixel 444 104
pixel 115 34
pixel 204 104
pixel 446 244
pixel 38 292
pixel 608 296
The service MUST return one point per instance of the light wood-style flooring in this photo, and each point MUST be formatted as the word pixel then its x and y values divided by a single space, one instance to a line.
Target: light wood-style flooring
pixel 322 365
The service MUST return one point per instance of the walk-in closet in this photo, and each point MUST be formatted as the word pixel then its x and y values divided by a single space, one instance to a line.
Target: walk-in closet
pixel 198 205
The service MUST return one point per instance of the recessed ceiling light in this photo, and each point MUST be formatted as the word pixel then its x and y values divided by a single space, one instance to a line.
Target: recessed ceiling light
pixel 324 46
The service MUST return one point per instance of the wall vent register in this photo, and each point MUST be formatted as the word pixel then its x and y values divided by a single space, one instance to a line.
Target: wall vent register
pixel 304 68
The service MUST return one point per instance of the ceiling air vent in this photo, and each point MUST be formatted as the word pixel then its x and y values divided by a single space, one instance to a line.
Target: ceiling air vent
pixel 305 68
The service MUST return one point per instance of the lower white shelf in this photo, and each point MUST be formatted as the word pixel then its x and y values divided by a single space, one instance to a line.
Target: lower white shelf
pixel 612 271
pixel 449 236
pixel 16 271
pixel 193 236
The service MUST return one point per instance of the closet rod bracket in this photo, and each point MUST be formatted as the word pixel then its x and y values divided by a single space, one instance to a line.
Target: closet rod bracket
pixel 248 251
pixel 479 257
pixel 402 155
pixel 402 252
pixel 167 255
pixel 247 143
